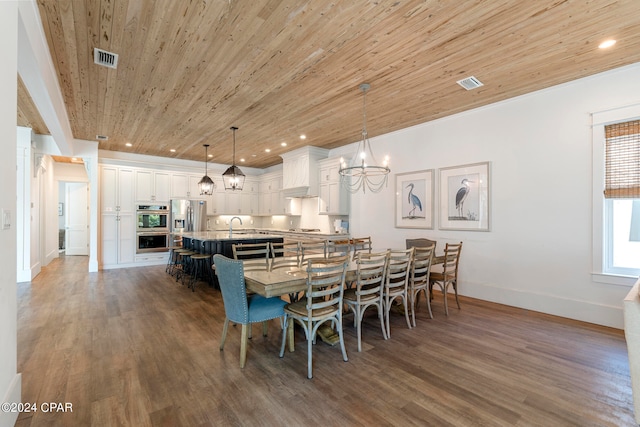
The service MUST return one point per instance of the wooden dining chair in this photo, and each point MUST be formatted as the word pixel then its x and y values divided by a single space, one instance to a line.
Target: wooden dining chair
pixel 361 244
pixel 420 242
pixel 396 284
pixel 254 256
pixel 367 289
pixel 419 279
pixel 338 248
pixel 322 305
pixel 240 308
pixel 284 255
pixel 312 249
pixel 446 274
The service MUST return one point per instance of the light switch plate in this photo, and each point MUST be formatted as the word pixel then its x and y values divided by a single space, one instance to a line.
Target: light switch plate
pixel 5 214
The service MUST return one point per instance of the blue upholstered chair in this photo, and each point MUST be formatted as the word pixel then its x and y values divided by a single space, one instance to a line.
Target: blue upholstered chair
pixel 240 308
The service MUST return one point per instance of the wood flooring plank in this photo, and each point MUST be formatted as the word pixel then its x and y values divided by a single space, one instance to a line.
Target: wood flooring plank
pixel 132 347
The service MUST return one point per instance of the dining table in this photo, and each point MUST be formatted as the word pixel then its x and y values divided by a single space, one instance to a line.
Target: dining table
pixel 290 280
pixel 293 280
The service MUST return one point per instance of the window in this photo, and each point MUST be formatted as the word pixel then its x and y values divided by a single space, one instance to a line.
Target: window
pixel 622 191
pixel 616 195
pixel 623 237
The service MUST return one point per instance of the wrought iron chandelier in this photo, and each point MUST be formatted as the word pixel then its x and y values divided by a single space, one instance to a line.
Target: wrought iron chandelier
pixel 363 171
pixel 206 184
pixel 233 177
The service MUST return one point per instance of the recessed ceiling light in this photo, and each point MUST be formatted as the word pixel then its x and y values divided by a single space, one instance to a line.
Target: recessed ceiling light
pixel 74 159
pixel 209 155
pixel 173 150
pixel 284 144
pixel 128 144
pixel 267 150
pixel 607 43
pixel 242 160
pixel 303 136
pixel 254 155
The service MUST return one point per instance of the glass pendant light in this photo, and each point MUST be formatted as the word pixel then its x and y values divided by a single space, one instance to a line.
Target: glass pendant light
pixel 233 177
pixel 206 184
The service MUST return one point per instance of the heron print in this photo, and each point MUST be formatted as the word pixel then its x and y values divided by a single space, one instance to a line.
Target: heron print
pixel 464 200
pixel 414 198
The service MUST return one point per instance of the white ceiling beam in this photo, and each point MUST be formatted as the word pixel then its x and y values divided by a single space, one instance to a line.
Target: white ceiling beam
pixel 36 69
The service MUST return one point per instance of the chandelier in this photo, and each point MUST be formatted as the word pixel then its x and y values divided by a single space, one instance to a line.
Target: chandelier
pixel 363 171
pixel 206 184
pixel 233 177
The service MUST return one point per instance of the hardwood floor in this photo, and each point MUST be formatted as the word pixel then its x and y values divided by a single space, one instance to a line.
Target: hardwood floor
pixel 132 347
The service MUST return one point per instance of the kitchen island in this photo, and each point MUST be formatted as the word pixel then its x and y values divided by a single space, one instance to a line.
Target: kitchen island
pixel 219 242
pixel 291 234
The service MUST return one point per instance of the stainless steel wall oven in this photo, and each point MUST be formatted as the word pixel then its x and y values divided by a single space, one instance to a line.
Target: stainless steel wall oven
pixel 153 228
pixel 153 218
pixel 152 242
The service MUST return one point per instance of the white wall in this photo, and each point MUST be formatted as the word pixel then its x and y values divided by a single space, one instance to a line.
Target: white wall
pixel 538 252
pixel 10 382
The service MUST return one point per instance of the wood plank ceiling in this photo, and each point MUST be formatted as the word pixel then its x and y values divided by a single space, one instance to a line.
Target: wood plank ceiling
pixel 189 70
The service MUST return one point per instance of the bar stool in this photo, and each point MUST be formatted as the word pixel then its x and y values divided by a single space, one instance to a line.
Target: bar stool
pixel 172 260
pixel 200 268
pixel 183 263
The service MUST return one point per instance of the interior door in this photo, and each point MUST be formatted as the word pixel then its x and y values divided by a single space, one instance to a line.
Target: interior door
pixel 76 219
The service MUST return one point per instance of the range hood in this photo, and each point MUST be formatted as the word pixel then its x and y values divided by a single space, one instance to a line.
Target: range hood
pixel 300 171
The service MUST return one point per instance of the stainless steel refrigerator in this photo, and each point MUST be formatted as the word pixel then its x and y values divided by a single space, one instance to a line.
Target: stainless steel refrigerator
pixel 188 215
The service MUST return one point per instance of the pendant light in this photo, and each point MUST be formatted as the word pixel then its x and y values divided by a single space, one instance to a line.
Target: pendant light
pixel 233 177
pixel 362 171
pixel 206 184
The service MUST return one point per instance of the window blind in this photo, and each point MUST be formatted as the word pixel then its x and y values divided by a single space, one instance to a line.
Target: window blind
pixel 622 160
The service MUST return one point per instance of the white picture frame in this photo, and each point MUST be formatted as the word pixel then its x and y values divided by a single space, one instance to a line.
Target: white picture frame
pixel 414 199
pixel 465 197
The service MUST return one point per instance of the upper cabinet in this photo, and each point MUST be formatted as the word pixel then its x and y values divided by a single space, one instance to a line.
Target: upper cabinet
pixel 271 194
pixel 245 202
pixel 334 198
pixel 185 186
pixel 153 186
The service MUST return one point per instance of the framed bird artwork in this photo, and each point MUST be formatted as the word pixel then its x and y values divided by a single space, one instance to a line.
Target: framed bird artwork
pixel 414 199
pixel 464 197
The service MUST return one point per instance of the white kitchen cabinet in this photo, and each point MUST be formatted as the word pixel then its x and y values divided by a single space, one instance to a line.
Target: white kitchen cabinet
pixel 243 202
pixel 179 186
pixel 194 189
pixel 333 198
pixel 292 206
pixel 271 195
pixel 218 199
pixel 117 216
pixel 185 186
pixel 250 203
pixel 152 186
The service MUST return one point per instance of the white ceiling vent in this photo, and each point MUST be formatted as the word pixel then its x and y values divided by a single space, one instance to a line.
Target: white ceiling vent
pixel 104 58
pixel 470 83
pixel 102 137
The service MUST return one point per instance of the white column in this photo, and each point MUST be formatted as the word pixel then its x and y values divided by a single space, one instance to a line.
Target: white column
pixel 10 380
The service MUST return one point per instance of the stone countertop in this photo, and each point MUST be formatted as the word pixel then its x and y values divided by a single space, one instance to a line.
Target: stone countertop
pixel 224 235
pixel 280 233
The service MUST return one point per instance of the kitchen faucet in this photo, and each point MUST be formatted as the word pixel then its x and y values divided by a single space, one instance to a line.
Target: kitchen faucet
pixel 231 224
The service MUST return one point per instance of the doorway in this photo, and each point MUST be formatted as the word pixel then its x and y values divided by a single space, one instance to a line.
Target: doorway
pixel 74 224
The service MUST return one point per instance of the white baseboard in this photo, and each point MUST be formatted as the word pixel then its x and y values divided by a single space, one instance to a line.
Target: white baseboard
pixel 584 311
pixel 13 394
